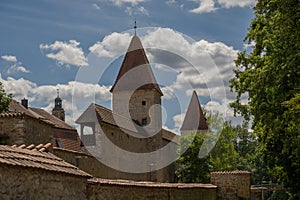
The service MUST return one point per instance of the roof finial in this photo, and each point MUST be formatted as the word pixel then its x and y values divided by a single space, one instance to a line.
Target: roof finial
pixel 135 27
pixel 57 91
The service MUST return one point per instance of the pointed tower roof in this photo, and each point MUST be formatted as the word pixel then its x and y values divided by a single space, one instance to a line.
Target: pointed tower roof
pixel 194 118
pixel 135 72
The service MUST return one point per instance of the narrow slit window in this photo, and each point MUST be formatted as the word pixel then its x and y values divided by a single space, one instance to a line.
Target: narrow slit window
pixel 144 121
pixel 143 103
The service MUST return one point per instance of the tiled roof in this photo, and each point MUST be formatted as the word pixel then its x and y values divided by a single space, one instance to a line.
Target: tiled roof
pixel 11 114
pixel 16 109
pixel 97 113
pixel 128 183
pixel 230 172
pixel 37 157
pixel 194 118
pixel 69 139
pixel 135 72
pixel 52 119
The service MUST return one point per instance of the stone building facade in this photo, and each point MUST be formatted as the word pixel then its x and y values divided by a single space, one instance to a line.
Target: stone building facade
pixel 27 125
pixel 134 125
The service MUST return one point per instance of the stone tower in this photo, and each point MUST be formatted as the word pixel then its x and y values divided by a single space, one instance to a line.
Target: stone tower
pixel 58 110
pixel 194 119
pixel 136 94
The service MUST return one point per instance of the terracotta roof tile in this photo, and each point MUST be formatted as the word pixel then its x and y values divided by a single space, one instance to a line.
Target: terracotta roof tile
pixel 16 110
pixel 135 71
pixel 129 183
pixel 36 159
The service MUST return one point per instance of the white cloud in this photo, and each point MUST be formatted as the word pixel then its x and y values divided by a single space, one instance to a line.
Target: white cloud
pixel 17 68
pixel 68 53
pixel 141 10
pixel 205 6
pixel 132 2
pixel 236 3
pixel 112 45
pixel 9 58
pixel 96 6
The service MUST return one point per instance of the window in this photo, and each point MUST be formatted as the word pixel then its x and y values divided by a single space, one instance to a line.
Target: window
pixel 58 143
pixel 144 121
pixel 143 103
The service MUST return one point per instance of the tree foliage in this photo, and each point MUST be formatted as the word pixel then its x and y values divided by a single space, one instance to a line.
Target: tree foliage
pixel 223 157
pixel 5 99
pixel 269 74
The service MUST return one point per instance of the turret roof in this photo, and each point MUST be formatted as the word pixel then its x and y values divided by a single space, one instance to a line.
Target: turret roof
pixel 194 119
pixel 135 72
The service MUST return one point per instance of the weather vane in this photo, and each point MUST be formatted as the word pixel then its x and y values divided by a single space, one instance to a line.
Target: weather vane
pixel 135 27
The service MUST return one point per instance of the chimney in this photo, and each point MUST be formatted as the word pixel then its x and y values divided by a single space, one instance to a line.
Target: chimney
pixel 24 103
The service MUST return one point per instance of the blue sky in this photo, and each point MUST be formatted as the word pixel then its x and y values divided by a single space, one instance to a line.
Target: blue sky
pixel 45 43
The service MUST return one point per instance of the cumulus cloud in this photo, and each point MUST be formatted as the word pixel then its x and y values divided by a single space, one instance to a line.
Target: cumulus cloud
pixel 96 6
pixel 112 45
pixel 140 10
pixel 236 3
pixel 65 53
pixel 15 66
pixel 132 2
pixel 207 6
pixel 9 58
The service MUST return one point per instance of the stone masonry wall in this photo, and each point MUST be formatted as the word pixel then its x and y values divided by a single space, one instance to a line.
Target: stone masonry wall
pixel 25 130
pixel 14 129
pixel 129 190
pixel 29 183
pixel 232 185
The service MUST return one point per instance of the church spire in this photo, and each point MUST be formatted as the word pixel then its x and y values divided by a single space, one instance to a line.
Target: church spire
pixel 194 119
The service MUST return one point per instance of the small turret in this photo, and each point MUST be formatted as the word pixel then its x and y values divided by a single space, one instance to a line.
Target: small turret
pixel 58 110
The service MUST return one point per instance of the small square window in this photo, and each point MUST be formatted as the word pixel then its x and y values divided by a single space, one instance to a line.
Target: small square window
pixel 143 103
pixel 144 121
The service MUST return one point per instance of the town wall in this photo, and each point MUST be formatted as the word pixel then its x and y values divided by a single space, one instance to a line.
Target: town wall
pixel 93 166
pixel 120 189
pixel 18 182
pixel 234 185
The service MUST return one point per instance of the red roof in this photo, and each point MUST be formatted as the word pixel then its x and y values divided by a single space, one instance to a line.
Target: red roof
pixel 135 72
pixel 66 134
pixel 37 157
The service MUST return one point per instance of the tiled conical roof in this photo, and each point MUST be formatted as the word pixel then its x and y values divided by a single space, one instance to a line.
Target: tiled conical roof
pixel 135 72
pixel 194 119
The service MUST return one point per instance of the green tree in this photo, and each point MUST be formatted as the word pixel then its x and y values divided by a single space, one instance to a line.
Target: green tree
pixel 191 168
pixel 223 157
pixel 5 99
pixel 269 75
